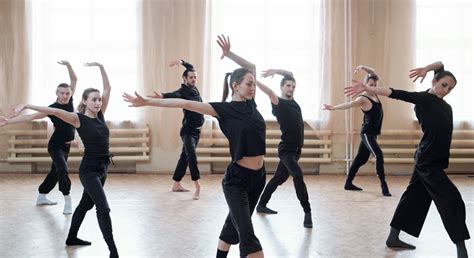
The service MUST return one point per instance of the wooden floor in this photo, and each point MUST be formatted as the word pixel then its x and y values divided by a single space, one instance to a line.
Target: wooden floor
pixel 151 221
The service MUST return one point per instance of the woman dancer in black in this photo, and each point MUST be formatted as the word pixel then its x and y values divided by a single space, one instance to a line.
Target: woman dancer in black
pixel 370 104
pixel 90 124
pixel 59 144
pixel 190 130
pixel 288 114
pixel 244 127
pixel 429 182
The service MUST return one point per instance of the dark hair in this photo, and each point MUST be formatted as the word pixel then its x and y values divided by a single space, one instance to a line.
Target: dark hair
pixel 287 78
pixel 370 76
pixel 81 108
pixel 236 76
pixel 440 74
pixel 185 73
pixel 64 85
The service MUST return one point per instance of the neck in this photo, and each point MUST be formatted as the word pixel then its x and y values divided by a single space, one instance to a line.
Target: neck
pixel 90 114
pixel 237 97
pixel 283 96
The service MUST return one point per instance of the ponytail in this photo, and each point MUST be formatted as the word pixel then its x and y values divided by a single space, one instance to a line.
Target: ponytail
pixel 236 76
pixel 225 93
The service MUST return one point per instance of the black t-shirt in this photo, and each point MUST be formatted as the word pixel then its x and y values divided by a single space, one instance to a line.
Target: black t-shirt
pixel 63 132
pixel 243 126
pixel 373 118
pixel 95 136
pixel 436 120
pixel 288 114
pixel 191 120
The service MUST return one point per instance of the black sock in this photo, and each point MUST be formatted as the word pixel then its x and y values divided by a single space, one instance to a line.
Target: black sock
pixel 221 254
pixel 76 241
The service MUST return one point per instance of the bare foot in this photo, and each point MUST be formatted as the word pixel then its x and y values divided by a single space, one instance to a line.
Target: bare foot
pixel 197 191
pixel 177 187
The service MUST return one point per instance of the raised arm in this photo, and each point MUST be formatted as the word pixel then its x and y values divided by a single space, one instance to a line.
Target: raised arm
pixel 272 72
pixel 422 71
pixel 72 75
pixel 364 68
pixel 106 85
pixel 68 117
pixel 20 119
pixel 357 87
pixel 224 43
pixel 355 103
pixel 178 62
pixel 271 94
pixel 198 107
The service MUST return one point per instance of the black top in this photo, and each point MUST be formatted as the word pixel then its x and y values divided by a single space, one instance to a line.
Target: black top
pixel 436 120
pixel 191 120
pixel 373 118
pixel 288 114
pixel 95 136
pixel 243 126
pixel 63 132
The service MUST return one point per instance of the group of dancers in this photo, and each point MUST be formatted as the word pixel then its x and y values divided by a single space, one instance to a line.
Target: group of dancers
pixel 244 127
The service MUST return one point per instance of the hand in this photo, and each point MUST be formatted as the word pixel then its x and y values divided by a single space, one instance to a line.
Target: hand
pixel 93 64
pixel 224 43
pixel 63 62
pixel 269 72
pixel 155 95
pixel 418 73
pixel 3 121
pixel 355 88
pixel 358 68
pixel 328 107
pixel 175 63
pixel 135 101
pixel 17 110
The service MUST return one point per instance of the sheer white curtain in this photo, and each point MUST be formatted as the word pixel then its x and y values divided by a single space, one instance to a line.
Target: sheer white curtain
pixel 445 32
pixel 80 31
pixel 272 34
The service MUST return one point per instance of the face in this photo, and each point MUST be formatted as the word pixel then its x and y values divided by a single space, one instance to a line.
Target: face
pixel 371 83
pixel 93 102
pixel 288 89
pixel 442 87
pixel 246 89
pixel 191 79
pixel 63 94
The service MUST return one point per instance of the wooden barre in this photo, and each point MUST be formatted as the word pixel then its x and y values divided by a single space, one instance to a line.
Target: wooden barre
pixel 411 160
pixel 454 142
pixel 44 150
pixel 112 131
pixel 267 159
pixel 72 159
pixel 418 133
pixel 271 132
pixel 223 141
pixel 45 141
pixel 269 150
pixel 412 151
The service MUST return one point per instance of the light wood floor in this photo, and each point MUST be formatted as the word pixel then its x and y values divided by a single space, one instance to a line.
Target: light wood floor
pixel 151 221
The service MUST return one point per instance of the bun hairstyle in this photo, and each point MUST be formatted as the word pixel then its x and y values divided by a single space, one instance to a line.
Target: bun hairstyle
pixel 236 76
pixel 441 73
pixel 370 76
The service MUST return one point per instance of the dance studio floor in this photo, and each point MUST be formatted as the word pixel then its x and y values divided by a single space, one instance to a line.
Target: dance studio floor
pixel 151 221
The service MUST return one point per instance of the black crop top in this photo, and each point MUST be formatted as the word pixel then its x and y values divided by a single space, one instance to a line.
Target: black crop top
pixel 95 136
pixel 243 126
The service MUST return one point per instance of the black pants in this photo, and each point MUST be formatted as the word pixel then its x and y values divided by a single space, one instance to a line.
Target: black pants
pixel 59 172
pixel 93 174
pixel 288 166
pixel 367 146
pixel 429 184
pixel 242 188
pixel 188 156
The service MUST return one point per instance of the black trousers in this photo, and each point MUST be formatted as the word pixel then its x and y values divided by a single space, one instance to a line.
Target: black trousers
pixel 242 188
pixel 287 166
pixel 188 156
pixel 93 174
pixel 368 145
pixel 59 172
pixel 429 184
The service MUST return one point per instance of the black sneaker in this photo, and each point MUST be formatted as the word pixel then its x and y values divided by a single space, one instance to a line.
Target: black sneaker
pixel 308 222
pixel 264 209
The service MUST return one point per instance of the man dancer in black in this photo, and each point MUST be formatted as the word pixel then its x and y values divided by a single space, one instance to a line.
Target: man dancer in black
pixel 288 114
pixel 190 130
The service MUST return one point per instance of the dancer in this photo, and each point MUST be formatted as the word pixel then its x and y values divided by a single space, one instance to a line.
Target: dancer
pixel 244 127
pixel 92 128
pixel 59 144
pixel 288 114
pixel 371 106
pixel 429 182
pixel 190 130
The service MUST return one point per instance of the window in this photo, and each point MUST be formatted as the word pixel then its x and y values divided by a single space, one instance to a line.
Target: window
pixel 82 31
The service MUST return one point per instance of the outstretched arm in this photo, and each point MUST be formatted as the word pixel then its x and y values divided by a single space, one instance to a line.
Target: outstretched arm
pixel 198 107
pixel 106 85
pixel 178 62
pixel 272 72
pixel 72 75
pixel 364 68
pixel 355 103
pixel 357 87
pixel 20 119
pixel 224 43
pixel 68 117
pixel 271 94
pixel 422 71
